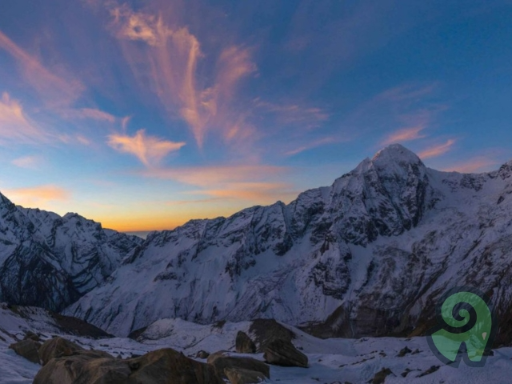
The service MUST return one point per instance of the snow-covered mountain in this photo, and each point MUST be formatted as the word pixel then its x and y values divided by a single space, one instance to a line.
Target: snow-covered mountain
pixel 50 261
pixel 368 255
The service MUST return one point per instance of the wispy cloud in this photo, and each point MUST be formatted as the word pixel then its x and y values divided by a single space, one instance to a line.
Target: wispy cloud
pixel 29 162
pixel 311 145
pixel 15 126
pixel 173 55
pixel 149 150
pixel 476 164
pixel 54 90
pixel 436 150
pixel 37 196
pixel 402 135
pixel 257 183
pixel 209 176
pixel 404 113
pixel 260 192
pixel 193 202
pixel 88 113
pixel 297 114
pixel 408 93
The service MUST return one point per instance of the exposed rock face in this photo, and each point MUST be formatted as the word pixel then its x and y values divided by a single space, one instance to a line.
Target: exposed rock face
pixel 51 261
pixel 29 349
pixel 281 352
pixel 222 360
pixel 244 344
pixel 164 366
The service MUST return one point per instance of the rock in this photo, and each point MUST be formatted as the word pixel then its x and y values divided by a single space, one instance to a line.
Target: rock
pixel 380 377
pixel 243 376
pixel 432 369
pixel 244 344
pixel 267 330
pixel 202 354
pixel 83 368
pixel 223 360
pixel 57 347
pixel 32 336
pixel 282 352
pixel 167 366
pixel 29 349
pixel 404 351
pixel 163 366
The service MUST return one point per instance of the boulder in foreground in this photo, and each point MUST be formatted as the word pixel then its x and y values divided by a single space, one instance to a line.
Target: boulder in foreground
pixel 163 366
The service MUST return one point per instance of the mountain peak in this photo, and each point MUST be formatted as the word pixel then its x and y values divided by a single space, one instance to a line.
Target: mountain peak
pixel 396 153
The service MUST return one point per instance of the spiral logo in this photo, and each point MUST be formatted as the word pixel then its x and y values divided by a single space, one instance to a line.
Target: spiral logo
pixel 465 329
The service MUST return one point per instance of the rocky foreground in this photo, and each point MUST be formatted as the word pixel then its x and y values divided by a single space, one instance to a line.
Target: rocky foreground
pixel 35 349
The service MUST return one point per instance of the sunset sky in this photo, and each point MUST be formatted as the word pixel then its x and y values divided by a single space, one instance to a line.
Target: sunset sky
pixel 145 114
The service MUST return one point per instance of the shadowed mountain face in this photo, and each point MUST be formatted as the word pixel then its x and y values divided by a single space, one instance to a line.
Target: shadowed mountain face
pixel 51 261
pixel 368 255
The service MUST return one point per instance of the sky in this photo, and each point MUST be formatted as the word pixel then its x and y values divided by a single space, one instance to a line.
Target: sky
pixel 143 115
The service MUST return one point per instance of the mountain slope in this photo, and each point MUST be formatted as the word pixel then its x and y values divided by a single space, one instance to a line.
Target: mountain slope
pixel 366 256
pixel 50 261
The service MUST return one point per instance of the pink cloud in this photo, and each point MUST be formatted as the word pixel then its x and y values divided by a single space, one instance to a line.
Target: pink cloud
pixel 171 59
pixel 212 176
pixel 54 90
pixel 436 150
pixel 257 183
pixel 402 135
pixel 300 115
pixel 311 145
pixel 15 126
pixel 407 92
pixel 88 113
pixel 149 150
pixel 29 162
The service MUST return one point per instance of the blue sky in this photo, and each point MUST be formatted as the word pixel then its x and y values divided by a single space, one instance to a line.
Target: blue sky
pixel 144 114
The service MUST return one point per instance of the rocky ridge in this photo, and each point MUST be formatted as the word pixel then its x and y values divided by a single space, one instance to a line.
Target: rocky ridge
pixel 368 255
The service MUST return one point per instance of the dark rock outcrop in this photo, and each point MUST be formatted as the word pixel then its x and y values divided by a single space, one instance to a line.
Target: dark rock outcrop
pixel 266 331
pixel 282 352
pixel 244 344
